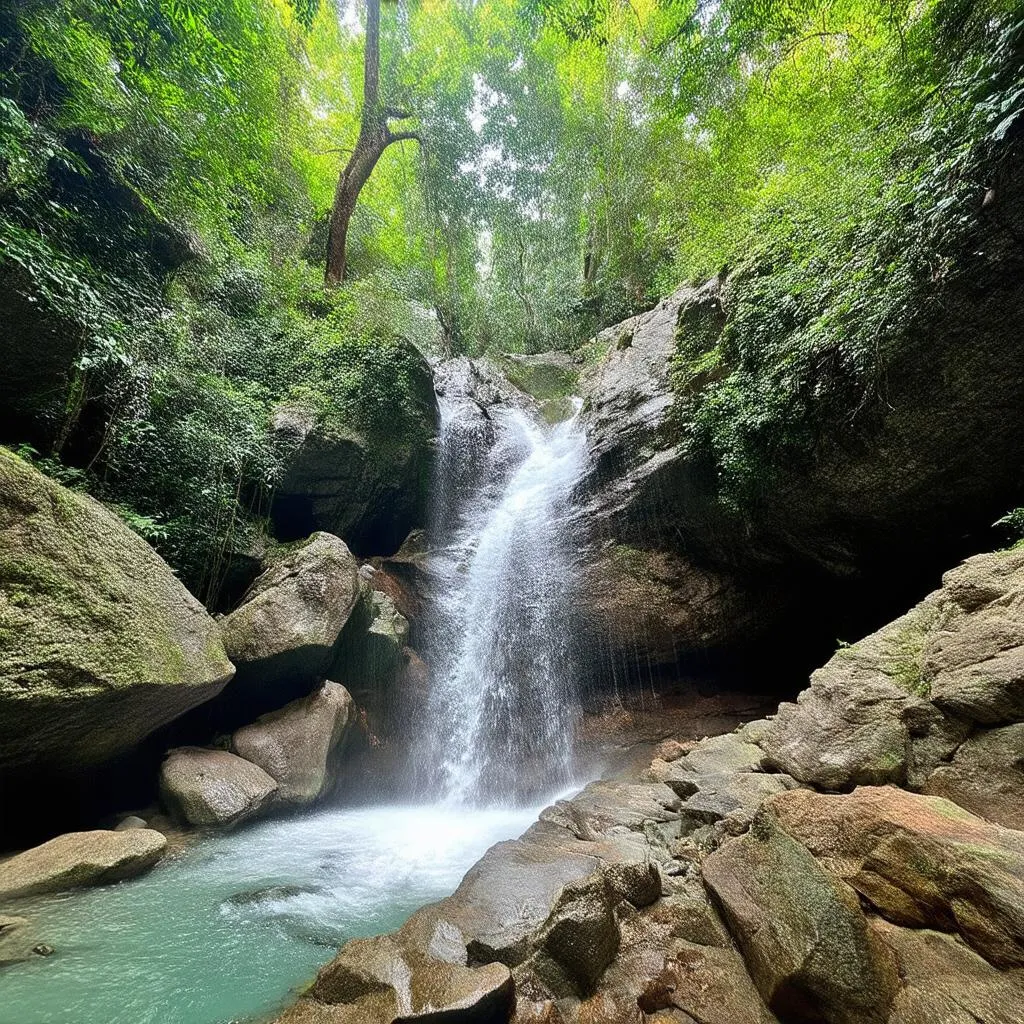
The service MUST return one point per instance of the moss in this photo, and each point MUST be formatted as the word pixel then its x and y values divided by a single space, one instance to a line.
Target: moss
pixel 904 652
pixel 541 380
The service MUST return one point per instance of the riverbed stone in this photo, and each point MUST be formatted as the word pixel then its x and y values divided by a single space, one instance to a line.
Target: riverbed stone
pixel 78 859
pixel 100 644
pixel 213 787
pixel 298 745
pixel 291 617
pixel 18 939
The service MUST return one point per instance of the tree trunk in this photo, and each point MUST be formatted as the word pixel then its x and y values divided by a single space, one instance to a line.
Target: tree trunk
pixel 375 136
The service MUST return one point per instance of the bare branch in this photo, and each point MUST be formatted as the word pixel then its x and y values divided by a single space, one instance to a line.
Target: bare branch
pixel 403 136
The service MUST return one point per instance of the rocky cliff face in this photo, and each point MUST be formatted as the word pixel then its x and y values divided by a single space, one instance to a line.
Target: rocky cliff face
pixel 887 491
pixel 802 869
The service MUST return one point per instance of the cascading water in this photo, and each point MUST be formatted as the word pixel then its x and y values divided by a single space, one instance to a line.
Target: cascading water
pixel 229 928
pixel 503 699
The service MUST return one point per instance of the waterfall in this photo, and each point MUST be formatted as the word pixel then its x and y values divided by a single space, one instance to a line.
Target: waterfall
pixel 499 638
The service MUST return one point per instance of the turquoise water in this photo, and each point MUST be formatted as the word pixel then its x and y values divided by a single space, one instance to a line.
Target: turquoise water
pixel 234 927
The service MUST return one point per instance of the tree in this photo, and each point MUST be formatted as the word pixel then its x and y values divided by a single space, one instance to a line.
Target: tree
pixel 375 135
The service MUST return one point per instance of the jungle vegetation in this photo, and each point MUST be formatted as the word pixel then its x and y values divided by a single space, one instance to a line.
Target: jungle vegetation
pixel 513 175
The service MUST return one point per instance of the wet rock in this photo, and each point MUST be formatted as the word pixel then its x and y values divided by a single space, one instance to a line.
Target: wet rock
pixel 100 644
pixel 801 930
pixel 298 745
pixel 382 980
pixel 289 621
pixel 270 894
pixel 579 939
pixel 922 861
pixel 369 658
pixel 18 940
pixel 663 603
pixel 986 776
pixel 79 859
pixel 213 787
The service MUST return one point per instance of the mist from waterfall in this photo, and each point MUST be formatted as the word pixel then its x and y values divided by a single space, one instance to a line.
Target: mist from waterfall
pixel 499 636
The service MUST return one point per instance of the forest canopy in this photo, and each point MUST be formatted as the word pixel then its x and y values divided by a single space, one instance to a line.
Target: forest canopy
pixel 167 169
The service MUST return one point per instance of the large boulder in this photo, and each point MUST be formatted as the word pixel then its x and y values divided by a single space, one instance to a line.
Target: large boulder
pixel 370 652
pixel 922 861
pixel 896 706
pixel 382 979
pixel 986 776
pixel 289 621
pixel 79 859
pixel 100 644
pixel 298 745
pixel 213 787
pixel 801 930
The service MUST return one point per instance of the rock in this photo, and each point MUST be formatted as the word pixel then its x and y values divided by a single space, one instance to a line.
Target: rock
pixel 730 801
pixel 213 787
pixel 941 980
pixel 707 985
pixel 369 658
pixel 79 859
pixel 369 488
pixel 986 776
pixel 715 755
pixel 385 981
pixel 922 861
pixel 544 376
pixel 99 643
pixel 18 940
pixel 975 662
pixel 801 930
pixel 129 822
pixel 298 745
pixel 579 939
pixel 861 496
pixel 662 604
pixel 289 621
pixel 853 725
pixel 607 805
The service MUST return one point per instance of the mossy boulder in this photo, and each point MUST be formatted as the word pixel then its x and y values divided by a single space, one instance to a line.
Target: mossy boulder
pixel 100 644
pixel 289 621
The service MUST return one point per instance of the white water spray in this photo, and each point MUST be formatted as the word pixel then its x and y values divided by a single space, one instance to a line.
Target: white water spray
pixel 503 702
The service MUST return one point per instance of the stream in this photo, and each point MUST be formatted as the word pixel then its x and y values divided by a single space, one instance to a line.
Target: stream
pixel 235 926
pixel 232 929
